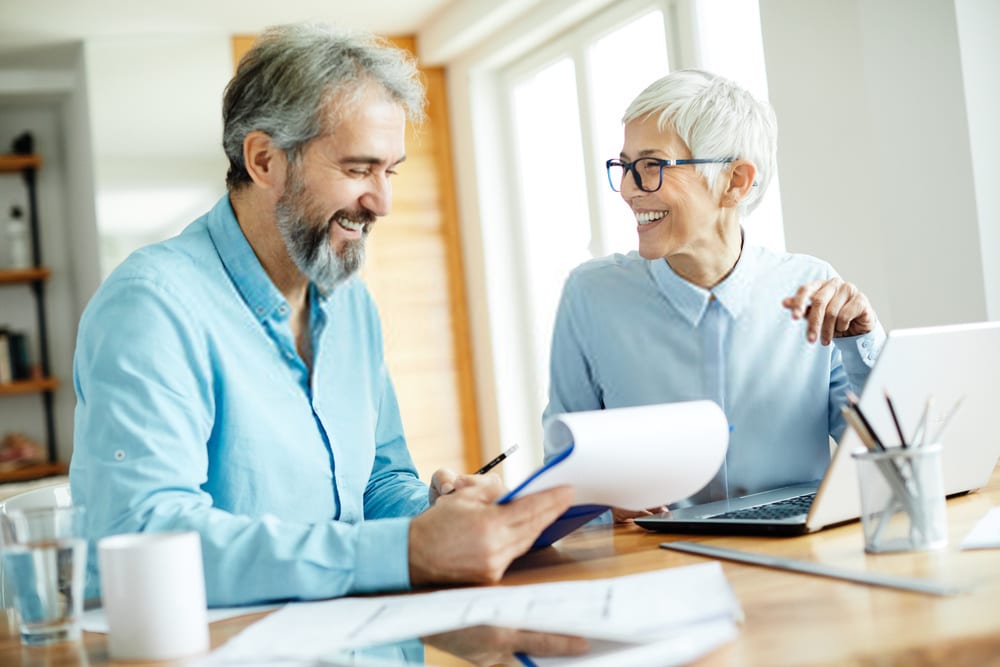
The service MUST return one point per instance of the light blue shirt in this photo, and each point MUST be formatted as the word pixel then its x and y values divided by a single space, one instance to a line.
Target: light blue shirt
pixel 630 331
pixel 195 412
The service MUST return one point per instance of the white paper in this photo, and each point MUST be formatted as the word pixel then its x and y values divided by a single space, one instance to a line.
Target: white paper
pixel 677 648
pixel 94 620
pixel 986 533
pixel 639 608
pixel 638 457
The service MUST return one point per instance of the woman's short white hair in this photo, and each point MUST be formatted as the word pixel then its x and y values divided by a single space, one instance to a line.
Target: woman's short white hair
pixel 716 118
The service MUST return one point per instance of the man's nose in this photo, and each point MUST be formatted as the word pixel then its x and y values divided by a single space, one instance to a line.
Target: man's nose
pixel 378 197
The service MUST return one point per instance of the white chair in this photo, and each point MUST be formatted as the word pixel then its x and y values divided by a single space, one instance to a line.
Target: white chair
pixel 53 495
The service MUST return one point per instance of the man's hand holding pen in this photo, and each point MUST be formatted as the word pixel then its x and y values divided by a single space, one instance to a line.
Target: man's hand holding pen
pixel 466 536
pixel 445 482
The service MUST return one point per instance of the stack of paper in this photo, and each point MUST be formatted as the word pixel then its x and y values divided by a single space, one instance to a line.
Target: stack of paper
pixel 669 616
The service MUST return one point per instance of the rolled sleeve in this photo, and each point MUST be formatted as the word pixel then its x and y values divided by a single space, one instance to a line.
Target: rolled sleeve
pixel 859 353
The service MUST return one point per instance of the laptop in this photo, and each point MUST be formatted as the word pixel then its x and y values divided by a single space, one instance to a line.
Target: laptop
pixel 949 364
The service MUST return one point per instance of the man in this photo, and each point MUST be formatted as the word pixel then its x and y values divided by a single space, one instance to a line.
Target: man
pixel 231 380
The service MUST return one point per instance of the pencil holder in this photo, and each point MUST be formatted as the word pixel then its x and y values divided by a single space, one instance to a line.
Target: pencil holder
pixel 902 499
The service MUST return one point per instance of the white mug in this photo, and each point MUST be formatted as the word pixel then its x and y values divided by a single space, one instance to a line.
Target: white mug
pixel 153 590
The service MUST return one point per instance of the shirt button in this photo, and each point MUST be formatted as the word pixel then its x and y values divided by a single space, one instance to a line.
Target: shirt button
pixel 289 354
pixel 120 455
pixel 283 309
pixel 866 344
pixel 260 310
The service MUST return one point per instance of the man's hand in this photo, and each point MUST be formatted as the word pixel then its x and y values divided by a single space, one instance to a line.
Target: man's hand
pixel 445 482
pixel 466 537
pixel 833 308
pixel 490 646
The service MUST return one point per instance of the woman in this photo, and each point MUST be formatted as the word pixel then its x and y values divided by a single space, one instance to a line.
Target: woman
pixel 698 314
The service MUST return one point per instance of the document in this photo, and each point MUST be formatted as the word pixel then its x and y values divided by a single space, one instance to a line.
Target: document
pixel 986 533
pixel 635 458
pixel 692 602
pixel 94 620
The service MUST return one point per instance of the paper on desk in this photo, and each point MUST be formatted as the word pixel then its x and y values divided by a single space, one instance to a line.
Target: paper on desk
pixel 94 620
pixel 986 533
pixel 675 648
pixel 639 607
pixel 636 457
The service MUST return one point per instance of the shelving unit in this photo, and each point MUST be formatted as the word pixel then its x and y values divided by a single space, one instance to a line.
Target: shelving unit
pixel 34 279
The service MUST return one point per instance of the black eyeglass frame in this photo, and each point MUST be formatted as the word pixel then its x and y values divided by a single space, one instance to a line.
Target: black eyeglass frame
pixel 631 167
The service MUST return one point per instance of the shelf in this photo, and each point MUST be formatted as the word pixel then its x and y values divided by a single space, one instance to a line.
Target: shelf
pixel 29 386
pixel 34 471
pixel 11 164
pixel 32 275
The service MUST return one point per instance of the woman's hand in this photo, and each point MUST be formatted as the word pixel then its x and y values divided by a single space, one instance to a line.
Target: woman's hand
pixel 833 308
pixel 622 515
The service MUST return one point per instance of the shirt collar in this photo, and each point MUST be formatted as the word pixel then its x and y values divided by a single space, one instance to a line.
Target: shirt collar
pixel 691 301
pixel 242 265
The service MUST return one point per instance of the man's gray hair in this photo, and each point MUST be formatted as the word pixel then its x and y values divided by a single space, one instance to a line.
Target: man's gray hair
pixel 286 82
pixel 716 118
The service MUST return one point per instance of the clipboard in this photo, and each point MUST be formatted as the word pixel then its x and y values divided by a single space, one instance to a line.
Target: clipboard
pixel 666 452
pixel 568 521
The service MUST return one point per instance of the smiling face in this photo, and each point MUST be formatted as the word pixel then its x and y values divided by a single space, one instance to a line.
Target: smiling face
pixel 681 219
pixel 333 195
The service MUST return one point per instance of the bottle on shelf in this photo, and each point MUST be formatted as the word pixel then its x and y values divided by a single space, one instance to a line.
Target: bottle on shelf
pixel 18 240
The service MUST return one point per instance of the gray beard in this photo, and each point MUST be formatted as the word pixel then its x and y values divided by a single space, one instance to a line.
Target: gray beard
pixel 307 240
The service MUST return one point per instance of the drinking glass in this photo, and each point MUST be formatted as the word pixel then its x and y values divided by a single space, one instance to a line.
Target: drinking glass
pixel 44 558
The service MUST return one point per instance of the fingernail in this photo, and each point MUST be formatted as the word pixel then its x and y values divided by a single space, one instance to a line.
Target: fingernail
pixel 812 337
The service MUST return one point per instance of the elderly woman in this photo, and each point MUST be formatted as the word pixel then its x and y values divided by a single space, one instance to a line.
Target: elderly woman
pixel 697 313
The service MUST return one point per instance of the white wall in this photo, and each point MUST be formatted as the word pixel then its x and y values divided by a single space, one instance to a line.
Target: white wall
pixel 978 28
pixel 156 119
pixel 874 150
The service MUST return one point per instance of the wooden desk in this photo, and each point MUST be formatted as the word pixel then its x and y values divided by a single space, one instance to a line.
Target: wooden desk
pixel 791 619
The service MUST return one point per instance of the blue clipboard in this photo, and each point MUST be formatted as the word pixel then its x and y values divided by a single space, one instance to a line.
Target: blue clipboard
pixel 568 521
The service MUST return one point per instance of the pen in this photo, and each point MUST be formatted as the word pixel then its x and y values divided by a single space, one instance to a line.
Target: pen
pixel 491 465
pixel 919 435
pixel 944 422
pixel 895 418
pixel 495 462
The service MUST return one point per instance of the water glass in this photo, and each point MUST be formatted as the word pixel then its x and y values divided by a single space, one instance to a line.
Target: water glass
pixel 44 558
pixel 902 499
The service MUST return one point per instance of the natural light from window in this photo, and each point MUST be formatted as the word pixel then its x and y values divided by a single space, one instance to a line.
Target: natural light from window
pixel 621 65
pixel 555 231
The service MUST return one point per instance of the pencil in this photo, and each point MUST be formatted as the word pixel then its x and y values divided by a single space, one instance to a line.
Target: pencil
pixel 895 418
pixel 852 400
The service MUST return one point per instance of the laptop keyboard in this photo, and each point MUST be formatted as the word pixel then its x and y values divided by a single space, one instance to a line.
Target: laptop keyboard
pixel 777 510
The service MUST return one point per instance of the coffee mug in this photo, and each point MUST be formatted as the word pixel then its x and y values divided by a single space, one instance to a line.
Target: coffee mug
pixel 153 591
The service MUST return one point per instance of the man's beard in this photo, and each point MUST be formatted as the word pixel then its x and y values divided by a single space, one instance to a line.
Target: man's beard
pixel 307 237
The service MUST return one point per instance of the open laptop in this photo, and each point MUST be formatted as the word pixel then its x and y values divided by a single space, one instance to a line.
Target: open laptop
pixel 947 363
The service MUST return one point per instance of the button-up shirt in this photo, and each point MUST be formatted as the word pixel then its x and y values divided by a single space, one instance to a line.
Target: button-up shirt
pixel 630 331
pixel 195 412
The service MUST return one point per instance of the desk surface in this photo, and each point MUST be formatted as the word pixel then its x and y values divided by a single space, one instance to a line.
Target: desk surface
pixel 791 619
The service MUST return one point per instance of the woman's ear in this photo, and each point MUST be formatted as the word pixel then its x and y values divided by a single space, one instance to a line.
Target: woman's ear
pixel 264 161
pixel 742 175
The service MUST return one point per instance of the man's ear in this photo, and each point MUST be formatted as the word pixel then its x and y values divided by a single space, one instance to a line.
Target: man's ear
pixel 265 162
pixel 741 179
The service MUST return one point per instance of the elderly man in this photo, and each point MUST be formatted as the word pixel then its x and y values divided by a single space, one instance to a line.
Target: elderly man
pixel 231 380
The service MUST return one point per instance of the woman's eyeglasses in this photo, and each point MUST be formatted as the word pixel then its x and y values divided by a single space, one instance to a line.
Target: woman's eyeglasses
pixel 648 171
